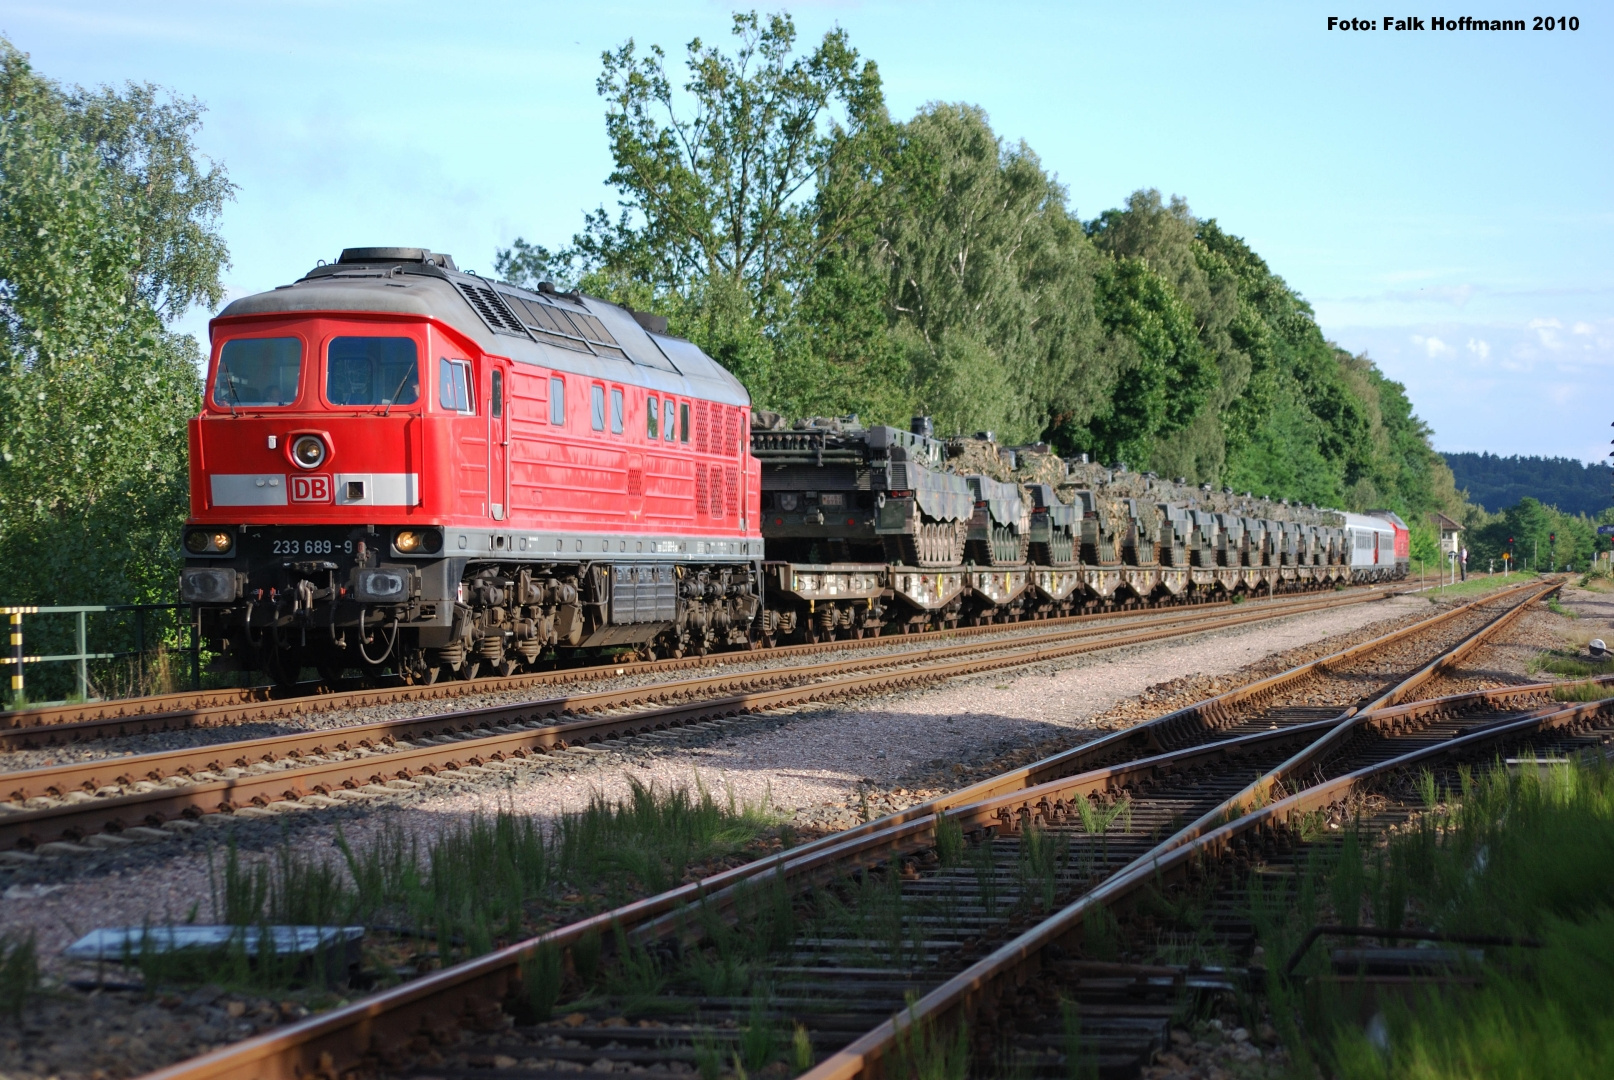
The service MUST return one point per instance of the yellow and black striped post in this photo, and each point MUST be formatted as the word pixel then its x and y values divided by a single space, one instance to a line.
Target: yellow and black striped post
pixel 16 656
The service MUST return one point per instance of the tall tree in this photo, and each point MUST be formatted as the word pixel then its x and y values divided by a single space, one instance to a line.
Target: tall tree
pixel 723 210
pixel 108 232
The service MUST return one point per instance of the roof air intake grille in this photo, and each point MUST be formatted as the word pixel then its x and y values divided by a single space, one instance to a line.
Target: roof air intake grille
pixel 491 307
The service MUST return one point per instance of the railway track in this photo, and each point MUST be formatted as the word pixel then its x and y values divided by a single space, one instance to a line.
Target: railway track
pixel 66 724
pixel 112 795
pixel 921 918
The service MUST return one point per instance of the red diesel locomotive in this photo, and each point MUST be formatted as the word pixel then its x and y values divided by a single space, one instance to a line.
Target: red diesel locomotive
pixel 400 465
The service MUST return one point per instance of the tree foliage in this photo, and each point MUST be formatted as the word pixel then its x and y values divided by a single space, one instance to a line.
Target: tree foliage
pixel 108 232
pixel 1494 482
pixel 837 261
pixel 1532 526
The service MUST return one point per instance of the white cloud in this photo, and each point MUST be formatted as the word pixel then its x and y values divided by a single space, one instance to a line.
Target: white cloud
pixel 1479 347
pixel 1547 332
pixel 1432 345
pixel 1582 328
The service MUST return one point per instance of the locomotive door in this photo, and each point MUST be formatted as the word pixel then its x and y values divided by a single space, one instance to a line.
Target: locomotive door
pixel 498 439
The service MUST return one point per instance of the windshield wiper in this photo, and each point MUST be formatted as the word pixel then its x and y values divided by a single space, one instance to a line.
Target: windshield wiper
pixel 393 400
pixel 224 369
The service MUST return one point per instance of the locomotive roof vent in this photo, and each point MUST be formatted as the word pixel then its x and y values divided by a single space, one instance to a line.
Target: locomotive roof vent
pixel 655 324
pixel 397 254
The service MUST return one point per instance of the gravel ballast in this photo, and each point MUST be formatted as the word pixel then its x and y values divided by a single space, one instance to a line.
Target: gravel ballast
pixel 824 765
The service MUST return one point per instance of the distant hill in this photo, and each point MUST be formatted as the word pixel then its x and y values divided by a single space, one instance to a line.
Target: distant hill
pixel 1499 482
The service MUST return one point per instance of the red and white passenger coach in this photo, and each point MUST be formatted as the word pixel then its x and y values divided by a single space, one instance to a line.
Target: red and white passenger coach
pixel 401 465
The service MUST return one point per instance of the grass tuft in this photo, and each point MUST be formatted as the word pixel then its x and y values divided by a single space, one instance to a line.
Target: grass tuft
pixel 487 881
pixel 19 972
pixel 1522 852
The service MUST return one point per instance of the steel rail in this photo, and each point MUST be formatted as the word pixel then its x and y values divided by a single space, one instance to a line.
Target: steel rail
pixel 331 1044
pixel 962 994
pixel 65 724
pixel 1152 736
pixel 74 820
pixel 1262 789
pixel 156 766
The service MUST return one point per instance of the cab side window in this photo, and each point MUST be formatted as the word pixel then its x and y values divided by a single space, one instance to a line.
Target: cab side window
pixel 454 386
pixel 496 393
pixel 557 400
pixel 616 410
pixel 597 406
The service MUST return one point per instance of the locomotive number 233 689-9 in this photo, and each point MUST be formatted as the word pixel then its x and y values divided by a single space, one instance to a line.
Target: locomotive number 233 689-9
pixel 312 547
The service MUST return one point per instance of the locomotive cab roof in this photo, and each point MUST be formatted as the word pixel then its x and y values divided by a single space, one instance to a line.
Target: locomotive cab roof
pixel 563 331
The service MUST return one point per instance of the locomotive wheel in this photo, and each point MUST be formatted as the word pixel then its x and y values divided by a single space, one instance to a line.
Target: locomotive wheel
pixel 277 662
pixel 467 670
pixel 330 672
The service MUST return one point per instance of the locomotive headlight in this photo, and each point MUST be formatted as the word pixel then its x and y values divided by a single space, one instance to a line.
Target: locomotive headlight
pixel 208 542
pixel 308 451
pixel 417 541
pixel 789 501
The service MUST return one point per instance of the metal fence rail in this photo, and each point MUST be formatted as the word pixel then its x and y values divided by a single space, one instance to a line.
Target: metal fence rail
pixel 81 654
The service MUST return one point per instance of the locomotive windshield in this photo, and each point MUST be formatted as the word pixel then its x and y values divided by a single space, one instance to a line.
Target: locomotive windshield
pixel 255 372
pixel 372 371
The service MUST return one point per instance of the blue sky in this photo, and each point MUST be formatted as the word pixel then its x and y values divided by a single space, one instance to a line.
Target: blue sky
pixel 1442 198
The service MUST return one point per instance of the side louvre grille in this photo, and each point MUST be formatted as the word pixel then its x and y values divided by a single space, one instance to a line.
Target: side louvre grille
pixel 702 497
pixel 731 491
pixel 702 427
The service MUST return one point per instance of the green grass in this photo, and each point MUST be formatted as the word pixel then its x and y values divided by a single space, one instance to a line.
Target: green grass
pixel 1522 852
pixel 1475 585
pixel 19 972
pixel 479 884
pixel 1587 691
pixel 1574 667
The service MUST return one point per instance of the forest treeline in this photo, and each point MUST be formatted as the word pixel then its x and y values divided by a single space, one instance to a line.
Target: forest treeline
pixel 840 261
pixel 1495 482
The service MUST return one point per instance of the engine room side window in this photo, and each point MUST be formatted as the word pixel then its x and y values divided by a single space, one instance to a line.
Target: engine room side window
pixel 372 371
pixel 667 412
pixel 557 400
pixel 257 372
pixel 454 385
pixel 652 411
pixel 616 410
pixel 683 421
pixel 597 406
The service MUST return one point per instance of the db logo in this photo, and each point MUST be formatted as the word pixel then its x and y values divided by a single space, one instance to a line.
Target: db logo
pixel 311 489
